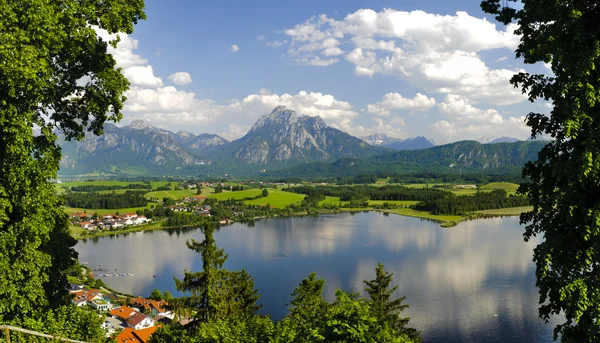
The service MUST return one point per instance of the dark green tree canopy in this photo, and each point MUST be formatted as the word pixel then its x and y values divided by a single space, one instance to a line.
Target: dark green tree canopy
pixel 564 184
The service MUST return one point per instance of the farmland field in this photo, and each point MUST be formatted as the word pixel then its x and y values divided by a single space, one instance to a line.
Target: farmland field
pixel 278 199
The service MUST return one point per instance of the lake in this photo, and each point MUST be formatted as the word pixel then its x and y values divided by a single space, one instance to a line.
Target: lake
pixel 471 283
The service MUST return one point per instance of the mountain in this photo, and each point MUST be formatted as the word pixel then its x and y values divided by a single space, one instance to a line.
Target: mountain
pixel 137 149
pixel 415 143
pixel 458 157
pixel 279 139
pixel 494 140
pixel 379 139
pixel 284 138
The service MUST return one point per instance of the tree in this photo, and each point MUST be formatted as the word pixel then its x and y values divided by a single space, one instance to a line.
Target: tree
pixel 383 307
pixel 244 293
pixel 199 189
pixel 207 294
pixel 156 295
pixel 55 75
pixel 265 192
pixel 564 182
pixel 167 296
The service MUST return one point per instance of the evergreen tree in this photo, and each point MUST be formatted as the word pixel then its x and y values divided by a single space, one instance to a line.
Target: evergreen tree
pixel 564 183
pixel 156 295
pixel 244 293
pixel 383 307
pixel 208 287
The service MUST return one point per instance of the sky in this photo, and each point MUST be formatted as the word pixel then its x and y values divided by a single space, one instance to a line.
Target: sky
pixel 432 68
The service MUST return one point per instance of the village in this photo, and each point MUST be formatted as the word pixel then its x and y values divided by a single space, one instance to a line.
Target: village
pixel 130 320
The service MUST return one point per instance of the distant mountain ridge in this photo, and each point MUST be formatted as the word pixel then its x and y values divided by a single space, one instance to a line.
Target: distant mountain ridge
pixel 463 156
pixel 279 139
pixel 411 143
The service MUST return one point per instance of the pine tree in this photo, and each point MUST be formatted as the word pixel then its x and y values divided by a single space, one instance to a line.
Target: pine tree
pixel 383 307
pixel 207 287
pixel 244 293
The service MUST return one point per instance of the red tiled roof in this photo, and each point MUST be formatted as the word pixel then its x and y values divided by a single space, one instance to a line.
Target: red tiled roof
pixel 136 319
pixel 123 312
pixel 129 335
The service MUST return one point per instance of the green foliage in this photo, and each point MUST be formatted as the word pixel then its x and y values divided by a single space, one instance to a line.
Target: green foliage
pixel 55 74
pixel 265 192
pixel 156 295
pixel 464 204
pixel 564 181
pixel 105 201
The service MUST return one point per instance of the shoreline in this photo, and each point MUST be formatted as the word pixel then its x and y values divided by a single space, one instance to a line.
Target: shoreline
pixel 448 221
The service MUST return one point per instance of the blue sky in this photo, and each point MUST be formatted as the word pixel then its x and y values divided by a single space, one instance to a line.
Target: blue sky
pixel 445 74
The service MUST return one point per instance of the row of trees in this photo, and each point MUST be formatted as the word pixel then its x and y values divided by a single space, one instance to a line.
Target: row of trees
pixel 463 204
pixel 349 193
pixel 99 188
pixel 105 201
pixel 222 307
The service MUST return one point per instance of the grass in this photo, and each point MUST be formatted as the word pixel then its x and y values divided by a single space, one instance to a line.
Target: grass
pixel 61 187
pixel 511 211
pixel 145 227
pixel 510 188
pixel 330 201
pixel 102 211
pixel 76 230
pixel 236 195
pixel 394 202
pixel 463 191
pixel 278 199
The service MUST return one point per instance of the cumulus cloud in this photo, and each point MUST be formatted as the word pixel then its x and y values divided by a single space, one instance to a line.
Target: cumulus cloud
pixel 142 76
pixel 395 101
pixel 437 53
pixel 235 48
pixel 260 37
pixel 391 128
pixel 277 44
pixel 500 59
pixel 181 78
pixel 465 121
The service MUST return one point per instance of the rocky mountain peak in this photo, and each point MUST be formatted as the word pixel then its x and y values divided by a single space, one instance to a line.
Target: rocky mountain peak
pixel 281 117
pixel 185 134
pixel 139 124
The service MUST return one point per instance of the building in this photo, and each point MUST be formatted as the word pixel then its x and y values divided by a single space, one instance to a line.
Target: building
pixel 100 304
pixel 129 335
pixel 123 312
pixel 139 321
pixel 151 307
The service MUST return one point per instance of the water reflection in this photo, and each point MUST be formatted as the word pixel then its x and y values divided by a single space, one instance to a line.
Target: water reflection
pixel 474 282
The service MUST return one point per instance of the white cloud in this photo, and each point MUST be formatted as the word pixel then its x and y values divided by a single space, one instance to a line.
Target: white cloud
pixel 465 121
pixel 437 53
pixel 235 48
pixel 260 37
pixel 123 54
pixel 391 128
pixel 362 71
pixel 395 101
pixel 317 61
pixel 181 78
pixel 277 44
pixel 142 76
pixel 500 59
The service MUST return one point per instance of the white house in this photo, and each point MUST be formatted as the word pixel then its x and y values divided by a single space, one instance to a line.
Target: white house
pixel 139 321
pixel 100 304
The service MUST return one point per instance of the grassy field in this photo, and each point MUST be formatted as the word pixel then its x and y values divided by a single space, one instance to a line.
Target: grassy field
pixel 395 202
pixel 278 199
pixel 382 181
pixel 102 212
pixel 509 187
pixel 61 187
pixel 463 191
pixel 511 211
pixel 236 195
pixel 330 201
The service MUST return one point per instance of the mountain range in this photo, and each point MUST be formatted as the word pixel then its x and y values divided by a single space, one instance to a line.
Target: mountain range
pixel 279 143
pixel 412 143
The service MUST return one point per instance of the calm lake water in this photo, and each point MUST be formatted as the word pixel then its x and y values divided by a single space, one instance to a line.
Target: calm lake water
pixel 471 283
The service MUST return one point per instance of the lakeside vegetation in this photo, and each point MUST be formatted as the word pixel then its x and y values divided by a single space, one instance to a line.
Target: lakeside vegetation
pixel 168 207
